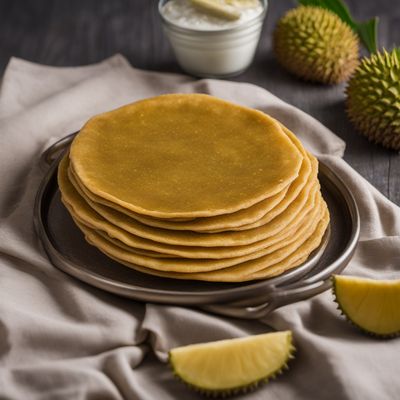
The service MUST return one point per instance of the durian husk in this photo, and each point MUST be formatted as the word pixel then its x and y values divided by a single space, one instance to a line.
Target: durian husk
pixel 315 44
pixel 373 98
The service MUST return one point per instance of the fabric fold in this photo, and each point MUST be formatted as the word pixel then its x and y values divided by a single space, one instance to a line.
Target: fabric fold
pixel 63 339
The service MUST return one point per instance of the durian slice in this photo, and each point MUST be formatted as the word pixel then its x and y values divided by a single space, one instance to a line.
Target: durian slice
pixel 217 8
pixel 227 367
pixel 372 305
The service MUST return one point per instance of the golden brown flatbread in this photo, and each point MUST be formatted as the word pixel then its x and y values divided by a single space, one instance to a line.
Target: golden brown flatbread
pixel 202 265
pixel 121 229
pixel 250 270
pixel 193 187
pixel 170 156
pixel 205 224
pixel 266 209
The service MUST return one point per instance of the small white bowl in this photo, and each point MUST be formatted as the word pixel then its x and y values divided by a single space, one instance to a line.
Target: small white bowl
pixel 218 53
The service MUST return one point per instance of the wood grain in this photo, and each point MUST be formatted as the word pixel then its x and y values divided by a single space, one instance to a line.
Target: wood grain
pixel 76 32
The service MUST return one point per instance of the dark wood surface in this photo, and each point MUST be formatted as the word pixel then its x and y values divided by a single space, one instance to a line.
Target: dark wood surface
pixel 74 32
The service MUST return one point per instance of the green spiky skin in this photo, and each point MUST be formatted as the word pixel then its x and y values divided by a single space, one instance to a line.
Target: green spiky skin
pixel 373 98
pixel 348 319
pixel 224 393
pixel 316 45
pixel 234 391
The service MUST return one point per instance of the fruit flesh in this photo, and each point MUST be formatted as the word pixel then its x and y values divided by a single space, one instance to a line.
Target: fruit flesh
pixel 373 305
pixel 232 364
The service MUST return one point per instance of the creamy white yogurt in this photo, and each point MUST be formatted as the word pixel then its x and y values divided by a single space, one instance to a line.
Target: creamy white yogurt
pixel 209 46
pixel 184 14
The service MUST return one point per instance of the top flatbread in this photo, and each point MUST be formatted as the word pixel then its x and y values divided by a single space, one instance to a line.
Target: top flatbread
pixel 246 218
pixel 184 156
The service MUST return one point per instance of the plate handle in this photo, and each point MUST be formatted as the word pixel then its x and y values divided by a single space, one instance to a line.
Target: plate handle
pixel 53 152
pixel 273 300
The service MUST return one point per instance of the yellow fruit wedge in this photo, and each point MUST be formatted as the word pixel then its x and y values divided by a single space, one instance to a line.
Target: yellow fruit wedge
pixel 372 305
pixel 217 8
pixel 227 367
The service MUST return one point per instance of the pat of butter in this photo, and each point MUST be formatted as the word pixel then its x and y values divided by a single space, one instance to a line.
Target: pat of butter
pixel 243 3
pixel 217 8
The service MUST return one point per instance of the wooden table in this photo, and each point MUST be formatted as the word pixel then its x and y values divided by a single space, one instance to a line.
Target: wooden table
pixel 74 32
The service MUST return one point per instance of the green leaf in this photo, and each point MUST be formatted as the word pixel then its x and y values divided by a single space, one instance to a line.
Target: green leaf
pixel 367 31
pixel 336 6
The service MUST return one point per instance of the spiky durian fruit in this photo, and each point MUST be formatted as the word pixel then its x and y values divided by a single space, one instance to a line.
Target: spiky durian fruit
pixel 373 98
pixel 372 305
pixel 227 367
pixel 315 44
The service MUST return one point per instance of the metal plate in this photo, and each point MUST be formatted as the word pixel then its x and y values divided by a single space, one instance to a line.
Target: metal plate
pixel 68 251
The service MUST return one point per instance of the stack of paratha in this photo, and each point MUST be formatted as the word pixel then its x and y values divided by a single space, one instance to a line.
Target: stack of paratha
pixel 189 186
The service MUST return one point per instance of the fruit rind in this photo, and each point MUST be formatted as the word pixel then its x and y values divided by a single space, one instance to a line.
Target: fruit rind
pixel 346 314
pixel 226 392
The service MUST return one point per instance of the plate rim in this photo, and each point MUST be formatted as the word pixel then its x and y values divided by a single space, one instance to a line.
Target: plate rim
pixel 61 262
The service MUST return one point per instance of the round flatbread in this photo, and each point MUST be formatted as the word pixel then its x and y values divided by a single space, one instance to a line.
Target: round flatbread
pixel 187 265
pixel 205 224
pixel 256 215
pixel 184 156
pixel 261 268
pixel 83 213
pixel 121 229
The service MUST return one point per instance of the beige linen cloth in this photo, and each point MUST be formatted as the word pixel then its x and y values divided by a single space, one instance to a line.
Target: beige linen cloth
pixel 62 339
